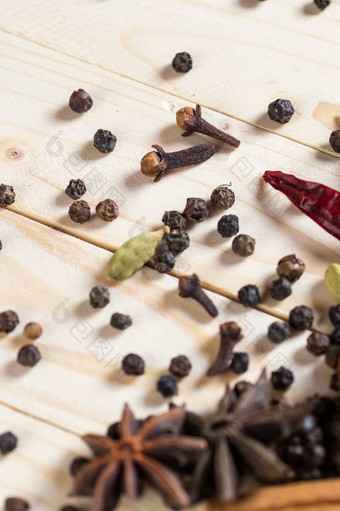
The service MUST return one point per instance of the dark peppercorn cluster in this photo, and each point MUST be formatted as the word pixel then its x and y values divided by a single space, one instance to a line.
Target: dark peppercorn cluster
pixel 164 262
pixel 174 220
pixel 301 318
pixel 282 378
pixel 182 62
pixel 178 240
pixel 120 321
pixel 104 141
pixel 196 210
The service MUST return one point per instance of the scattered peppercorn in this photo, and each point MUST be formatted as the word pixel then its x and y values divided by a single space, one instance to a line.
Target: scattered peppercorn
pixel 322 4
pixel 332 356
pixel 301 318
pixel 335 382
pixel 133 364
pixel 120 321
pixel 282 378
pixel 180 366
pixel 318 343
pixel 113 431
pixel 239 362
pixel 290 267
pixel 164 261
pixel 28 355
pixel 196 210
pixel 80 101
pixel 334 314
pixel 76 464
pixel 16 504
pixel 334 140
pixel 281 110
pixel 174 220
pixel 222 197
pixel 228 226
pixel 80 212
pixel 178 240
pixel 8 442
pixel 335 337
pixel 8 321
pixel 280 289
pixel 242 386
pixel 99 297
pixel 75 189
pixel 243 245
pixel 278 332
pixel 0 245
pixel 33 330
pixel 107 210
pixel 249 295
pixel 104 141
pixel 182 62
pixel 7 195
pixel 167 385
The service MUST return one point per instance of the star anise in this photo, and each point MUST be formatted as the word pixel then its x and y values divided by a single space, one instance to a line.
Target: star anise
pixel 141 451
pixel 237 433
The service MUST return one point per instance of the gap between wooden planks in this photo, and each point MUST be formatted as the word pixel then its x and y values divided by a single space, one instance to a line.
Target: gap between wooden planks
pixel 138 39
pixel 53 144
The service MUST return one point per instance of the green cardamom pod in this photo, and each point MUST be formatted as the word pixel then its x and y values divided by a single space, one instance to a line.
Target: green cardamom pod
pixel 332 280
pixel 134 253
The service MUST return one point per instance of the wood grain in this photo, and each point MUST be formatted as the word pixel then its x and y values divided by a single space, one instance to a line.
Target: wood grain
pixel 280 48
pixel 43 145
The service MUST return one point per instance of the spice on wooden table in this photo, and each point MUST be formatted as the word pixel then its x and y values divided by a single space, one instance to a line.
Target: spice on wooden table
pixel 99 297
pixel 33 330
pixel 281 110
pixel 8 442
pixel 142 452
pixel 79 212
pixel 80 101
pixel 104 141
pixel 230 335
pixel 8 321
pixel 222 197
pixel 133 364
pixel 180 366
pixel 16 504
pixel 174 220
pixel 319 202
pixel 334 315
pixel 28 355
pixel 164 261
pixel 243 245
pixel 75 189
pixel 178 240
pixel 107 210
pixel 228 226
pixel 182 62
pixel 0 245
pixel 239 362
pixel 189 287
pixel 191 121
pixel 335 336
pixel 156 163
pixel 282 378
pixel 301 318
pixel 167 385
pixel 322 4
pixel 7 195
pixel 278 332
pixel 120 321
pixel 332 356
pixel 318 343
pixel 249 295
pixel 196 210
pixel 334 141
pixel 280 288
pixel 290 267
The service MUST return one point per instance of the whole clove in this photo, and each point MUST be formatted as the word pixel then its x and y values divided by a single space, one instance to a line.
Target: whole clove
pixel 190 287
pixel 230 334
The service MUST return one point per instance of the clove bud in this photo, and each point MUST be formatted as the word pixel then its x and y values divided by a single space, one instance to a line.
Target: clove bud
pixel 190 287
pixel 230 336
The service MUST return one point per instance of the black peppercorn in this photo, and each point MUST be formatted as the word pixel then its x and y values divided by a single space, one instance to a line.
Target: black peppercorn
pixel 164 261
pixel 7 195
pixel 76 465
pixel 334 140
pixel 278 332
pixel 196 210
pixel 301 318
pixel 8 321
pixel 239 362
pixel 167 385
pixel 182 62
pixel 249 295
pixel 80 212
pixel 120 321
pixel 243 245
pixel 113 431
pixel 107 210
pixel 242 386
pixel 334 314
pixel 80 101
pixel 280 289
pixel 99 297
pixel 104 141
pixel 8 442
pixel 332 356
pixel 75 189
pixel 222 197
pixel 290 267
pixel 335 337
pixel 180 366
pixel 133 364
pixel 318 343
pixel 28 355
pixel 282 378
pixel 334 385
pixel 322 4
pixel 178 240
pixel 228 226
pixel 0 245
pixel 281 110
pixel 16 504
pixel 174 220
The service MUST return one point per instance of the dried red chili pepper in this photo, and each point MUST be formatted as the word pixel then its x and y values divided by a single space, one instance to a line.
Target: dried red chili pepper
pixel 319 202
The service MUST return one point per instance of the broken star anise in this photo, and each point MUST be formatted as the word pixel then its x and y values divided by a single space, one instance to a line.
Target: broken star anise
pixel 147 450
pixel 237 433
